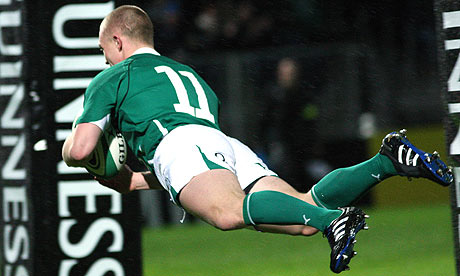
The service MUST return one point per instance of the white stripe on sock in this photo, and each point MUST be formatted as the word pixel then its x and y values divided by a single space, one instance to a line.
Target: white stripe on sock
pixel 313 193
pixel 247 208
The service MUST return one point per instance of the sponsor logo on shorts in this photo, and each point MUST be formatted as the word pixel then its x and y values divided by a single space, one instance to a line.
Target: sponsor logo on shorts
pixel 220 156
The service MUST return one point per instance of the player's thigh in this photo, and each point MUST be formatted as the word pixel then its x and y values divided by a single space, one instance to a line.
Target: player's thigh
pixel 216 197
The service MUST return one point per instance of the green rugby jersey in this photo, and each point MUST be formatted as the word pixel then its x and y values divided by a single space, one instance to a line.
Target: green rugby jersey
pixel 146 96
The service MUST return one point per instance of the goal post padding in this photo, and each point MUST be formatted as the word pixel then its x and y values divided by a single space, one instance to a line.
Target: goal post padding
pixel 55 220
pixel 447 15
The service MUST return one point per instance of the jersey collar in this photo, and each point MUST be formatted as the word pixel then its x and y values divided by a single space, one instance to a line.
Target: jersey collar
pixel 146 50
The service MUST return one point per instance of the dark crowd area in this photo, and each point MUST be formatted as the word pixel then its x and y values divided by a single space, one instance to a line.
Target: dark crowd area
pixel 209 25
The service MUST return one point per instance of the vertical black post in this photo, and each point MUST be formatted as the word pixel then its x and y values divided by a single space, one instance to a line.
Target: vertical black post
pixel 56 220
pixel 16 217
pixel 447 14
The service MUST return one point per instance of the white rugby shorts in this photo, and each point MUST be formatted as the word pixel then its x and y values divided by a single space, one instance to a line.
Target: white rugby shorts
pixel 190 150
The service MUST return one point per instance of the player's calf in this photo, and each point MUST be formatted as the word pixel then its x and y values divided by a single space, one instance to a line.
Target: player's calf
pixel 294 230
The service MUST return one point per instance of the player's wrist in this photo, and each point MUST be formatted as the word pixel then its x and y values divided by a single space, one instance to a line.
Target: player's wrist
pixel 138 182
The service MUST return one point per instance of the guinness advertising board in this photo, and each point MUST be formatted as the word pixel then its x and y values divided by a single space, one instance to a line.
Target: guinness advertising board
pixel 16 216
pixel 56 220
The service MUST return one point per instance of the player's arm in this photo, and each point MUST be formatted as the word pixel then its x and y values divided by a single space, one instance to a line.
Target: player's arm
pixel 127 180
pixel 146 181
pixel 80 144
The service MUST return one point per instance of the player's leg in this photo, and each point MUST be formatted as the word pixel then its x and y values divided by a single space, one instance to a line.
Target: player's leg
pixel 280 206
pixel 216 197
pixel 344 185
pixel 396 157
pixel 340 233
pixel 261 183
pixel 273 183
pixel 201 170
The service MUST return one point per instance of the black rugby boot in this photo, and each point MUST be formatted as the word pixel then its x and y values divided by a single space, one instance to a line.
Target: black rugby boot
pixel 410 161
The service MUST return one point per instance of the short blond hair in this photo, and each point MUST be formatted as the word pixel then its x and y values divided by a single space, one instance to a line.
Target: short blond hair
pixel 132 22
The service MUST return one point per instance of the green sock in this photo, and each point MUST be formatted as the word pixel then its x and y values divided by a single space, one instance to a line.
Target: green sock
pixel 271 207
pixel 342 186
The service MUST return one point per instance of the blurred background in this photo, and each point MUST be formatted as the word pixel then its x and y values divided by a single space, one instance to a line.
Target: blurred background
pixel 311 85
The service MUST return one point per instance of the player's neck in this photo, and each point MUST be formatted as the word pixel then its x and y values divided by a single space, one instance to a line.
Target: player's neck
pixel 131 49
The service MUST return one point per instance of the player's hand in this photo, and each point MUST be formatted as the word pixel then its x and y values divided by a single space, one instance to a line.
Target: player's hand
pixel 121 182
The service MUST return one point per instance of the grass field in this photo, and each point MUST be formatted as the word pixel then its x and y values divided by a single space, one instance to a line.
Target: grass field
pixel 401 241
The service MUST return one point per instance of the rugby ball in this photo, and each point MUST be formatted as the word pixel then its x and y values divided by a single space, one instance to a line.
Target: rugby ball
pixel 109 155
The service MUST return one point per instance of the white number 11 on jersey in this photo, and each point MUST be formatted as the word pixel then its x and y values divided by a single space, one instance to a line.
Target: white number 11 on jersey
pixel 184 103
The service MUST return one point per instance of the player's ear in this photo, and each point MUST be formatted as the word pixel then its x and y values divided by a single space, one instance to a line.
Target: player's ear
pixel 118 42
